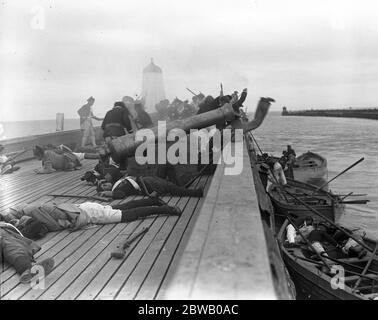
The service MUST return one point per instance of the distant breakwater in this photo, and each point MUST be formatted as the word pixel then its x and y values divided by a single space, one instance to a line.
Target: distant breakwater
pixel 341 113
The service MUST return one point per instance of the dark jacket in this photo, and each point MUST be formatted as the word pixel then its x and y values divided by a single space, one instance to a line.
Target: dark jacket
pixel 54 216
pixel 208 105
pixel 17 250
pixel 60 160
pixel 240 102
pixel 144 119
pixel 115 122
pixel 124 189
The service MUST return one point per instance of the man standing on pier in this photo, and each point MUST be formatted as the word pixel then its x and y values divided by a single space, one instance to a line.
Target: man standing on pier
pixel 86 115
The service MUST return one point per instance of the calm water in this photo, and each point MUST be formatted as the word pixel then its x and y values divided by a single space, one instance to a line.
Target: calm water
pixel 343 142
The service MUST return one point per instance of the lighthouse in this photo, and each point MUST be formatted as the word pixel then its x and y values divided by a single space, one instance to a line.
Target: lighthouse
pixel 153 86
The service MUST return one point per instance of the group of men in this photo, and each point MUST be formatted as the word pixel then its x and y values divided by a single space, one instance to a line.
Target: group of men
pixel 275 170
pixel 27 222
pixel 177 109
pixel 22 224
pixel 125 116
pixel 200 103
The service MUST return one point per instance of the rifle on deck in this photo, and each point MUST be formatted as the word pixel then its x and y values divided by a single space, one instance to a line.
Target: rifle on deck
pixel 120 251
pixel 98 198
pixel 12 158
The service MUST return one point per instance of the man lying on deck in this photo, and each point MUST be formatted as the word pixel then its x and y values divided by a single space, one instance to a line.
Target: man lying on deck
pixel 117 186
pixel 18 251
pixel 60 158
pixel 34 220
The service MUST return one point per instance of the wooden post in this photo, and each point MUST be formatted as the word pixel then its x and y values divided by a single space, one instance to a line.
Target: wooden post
pixel 59 121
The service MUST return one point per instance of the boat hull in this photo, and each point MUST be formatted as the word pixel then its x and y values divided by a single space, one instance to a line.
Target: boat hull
pixel 309 286
pixel 310 283
pixel 330 208
pixel 311 168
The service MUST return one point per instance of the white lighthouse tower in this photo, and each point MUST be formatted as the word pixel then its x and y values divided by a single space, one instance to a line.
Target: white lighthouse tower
pixel 153 87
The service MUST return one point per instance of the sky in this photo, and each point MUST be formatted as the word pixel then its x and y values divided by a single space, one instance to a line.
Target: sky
pixel 302 53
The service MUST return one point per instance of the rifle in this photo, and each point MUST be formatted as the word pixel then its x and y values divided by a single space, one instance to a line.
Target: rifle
pixel 193 93
pixel 120 251
pixel 10 159
pixel 145 191
pixel 81 197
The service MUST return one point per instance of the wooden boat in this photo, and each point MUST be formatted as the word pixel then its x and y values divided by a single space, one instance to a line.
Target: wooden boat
pixel 311 168
pixel 323 201
pixel 313 282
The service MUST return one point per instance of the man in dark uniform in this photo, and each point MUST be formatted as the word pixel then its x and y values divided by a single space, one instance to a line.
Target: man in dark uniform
pixel 18 251
pixel 143 118
pixel 119 187
pixel 116 121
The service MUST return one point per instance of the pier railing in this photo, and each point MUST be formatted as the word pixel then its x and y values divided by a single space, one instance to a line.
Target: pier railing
pixel 226 255
pixel 16 145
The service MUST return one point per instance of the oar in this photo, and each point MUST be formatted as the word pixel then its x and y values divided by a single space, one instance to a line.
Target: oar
pixel 193 93
pixel 256 142
pixel 364 201
pixel 329 221
pixel 367 266
pixel 347 169
pixel 348 195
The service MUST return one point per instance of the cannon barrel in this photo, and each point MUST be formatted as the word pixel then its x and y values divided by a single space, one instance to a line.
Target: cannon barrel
pixel 125 146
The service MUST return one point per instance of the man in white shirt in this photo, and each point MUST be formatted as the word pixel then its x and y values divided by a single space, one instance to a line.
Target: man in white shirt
pixel 276 174
pixel 34 220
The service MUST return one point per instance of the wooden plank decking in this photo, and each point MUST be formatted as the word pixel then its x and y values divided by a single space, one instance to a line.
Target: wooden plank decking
pixel 83 268
pixel 226 256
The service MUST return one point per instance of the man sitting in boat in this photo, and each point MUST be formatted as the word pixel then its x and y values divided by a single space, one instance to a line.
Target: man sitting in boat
pixel 60 158
pixel 276 173
pixel 18 251
pixel 290 156
pixel 319 234
pixel 290 153
pixel 349 246
pixel 34 220
pixel 118 186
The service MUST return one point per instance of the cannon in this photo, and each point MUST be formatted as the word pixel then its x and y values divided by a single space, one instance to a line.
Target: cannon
pixel 125 146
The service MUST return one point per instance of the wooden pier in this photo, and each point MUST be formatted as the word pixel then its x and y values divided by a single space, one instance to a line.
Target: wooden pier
pixel 215 250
